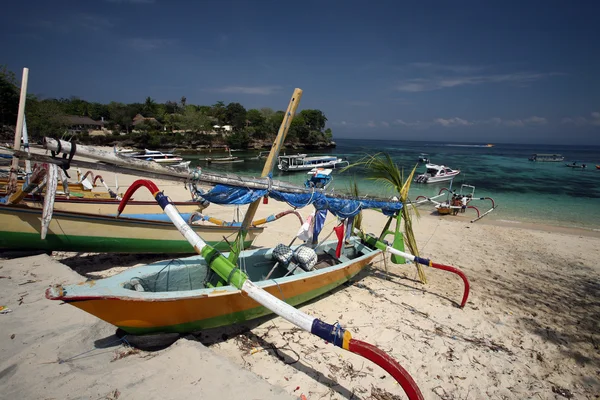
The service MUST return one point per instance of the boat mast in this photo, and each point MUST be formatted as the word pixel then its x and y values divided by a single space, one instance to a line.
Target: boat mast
pixel 267 172
pixel 14 167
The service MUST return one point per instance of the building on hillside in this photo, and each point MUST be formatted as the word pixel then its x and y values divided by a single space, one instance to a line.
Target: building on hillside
pixel 224 129
pixel 78 125
pixel 139 118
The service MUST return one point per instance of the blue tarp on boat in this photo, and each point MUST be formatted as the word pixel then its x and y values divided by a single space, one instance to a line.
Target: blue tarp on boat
pixel 342 208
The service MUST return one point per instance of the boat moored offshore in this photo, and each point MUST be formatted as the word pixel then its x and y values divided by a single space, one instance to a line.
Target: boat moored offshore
pixel 437 173
pixel 302 162
pixel 546 157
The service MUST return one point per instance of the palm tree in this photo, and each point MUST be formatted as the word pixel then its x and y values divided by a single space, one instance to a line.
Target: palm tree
pixel 382 169
pixel 149 107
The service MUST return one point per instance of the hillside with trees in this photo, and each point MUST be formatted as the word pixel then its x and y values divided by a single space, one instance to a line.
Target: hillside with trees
pixel 154 125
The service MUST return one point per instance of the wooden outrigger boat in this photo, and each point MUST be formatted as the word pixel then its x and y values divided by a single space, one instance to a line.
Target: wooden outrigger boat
pixel 182 295
pixel 463 199
pixel 109 206
pixel 83 232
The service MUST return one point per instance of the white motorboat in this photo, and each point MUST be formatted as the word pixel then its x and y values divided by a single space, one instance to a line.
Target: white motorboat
pixel 437 173
pixel 158 156
pixel 301 162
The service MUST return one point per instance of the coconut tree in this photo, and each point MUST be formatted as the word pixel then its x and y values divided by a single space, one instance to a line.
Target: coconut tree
pixel 382 169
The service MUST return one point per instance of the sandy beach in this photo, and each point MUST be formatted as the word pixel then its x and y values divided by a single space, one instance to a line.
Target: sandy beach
pixel 529 331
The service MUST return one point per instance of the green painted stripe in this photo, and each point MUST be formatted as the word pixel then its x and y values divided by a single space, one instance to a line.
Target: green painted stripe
pixel 236 317
pixel 53 242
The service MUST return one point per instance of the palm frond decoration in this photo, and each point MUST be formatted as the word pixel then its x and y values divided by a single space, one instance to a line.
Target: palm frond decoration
pixel 382 169
pixel 356 193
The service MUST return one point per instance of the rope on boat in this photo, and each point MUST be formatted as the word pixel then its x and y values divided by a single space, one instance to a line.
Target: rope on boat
pixel 223 267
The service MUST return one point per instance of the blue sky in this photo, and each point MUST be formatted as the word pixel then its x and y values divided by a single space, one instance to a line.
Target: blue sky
pixel 479 71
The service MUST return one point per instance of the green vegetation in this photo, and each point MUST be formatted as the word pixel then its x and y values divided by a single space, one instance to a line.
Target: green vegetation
pixel 169 124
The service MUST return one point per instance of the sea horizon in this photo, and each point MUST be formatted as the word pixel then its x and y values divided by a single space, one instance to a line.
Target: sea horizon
pixel 525 191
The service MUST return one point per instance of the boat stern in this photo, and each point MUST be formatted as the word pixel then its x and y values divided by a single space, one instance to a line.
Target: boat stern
pixel 55 292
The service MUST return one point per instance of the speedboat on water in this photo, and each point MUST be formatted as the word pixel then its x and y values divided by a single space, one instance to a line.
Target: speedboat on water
pixel 157 156
pixel 423 158
pixel 574 164
pixel 319 178
pixel 437 173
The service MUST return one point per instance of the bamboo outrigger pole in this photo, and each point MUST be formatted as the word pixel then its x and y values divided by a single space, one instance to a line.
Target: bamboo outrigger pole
pixel 14 167
pixel 267 171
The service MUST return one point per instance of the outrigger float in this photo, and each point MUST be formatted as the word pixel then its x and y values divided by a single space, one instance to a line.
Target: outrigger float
pixel 465 196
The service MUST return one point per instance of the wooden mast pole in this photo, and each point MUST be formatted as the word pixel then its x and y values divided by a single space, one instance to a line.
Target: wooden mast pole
pixel 14 167
pixel 267 171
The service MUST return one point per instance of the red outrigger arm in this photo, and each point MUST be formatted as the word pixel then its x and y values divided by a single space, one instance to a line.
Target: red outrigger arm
pixel 424 261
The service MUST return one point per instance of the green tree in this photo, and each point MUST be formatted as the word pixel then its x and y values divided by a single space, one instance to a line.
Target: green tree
pixel 9 97
pixel 267 112
pixel 97 111
pixel 298 129
pixel 328 135
pixel 236 115
pixel 274 122
pixel 238 140
pixel 315 119
pixel 219 112
pixel 44 118
pixel 149 109
pixel 122 115
pixel 255 118
pixel 194 120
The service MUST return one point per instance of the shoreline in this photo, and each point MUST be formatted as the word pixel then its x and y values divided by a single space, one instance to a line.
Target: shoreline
pixel 531 313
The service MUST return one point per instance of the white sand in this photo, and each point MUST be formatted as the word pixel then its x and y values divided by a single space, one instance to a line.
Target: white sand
pixel 530 329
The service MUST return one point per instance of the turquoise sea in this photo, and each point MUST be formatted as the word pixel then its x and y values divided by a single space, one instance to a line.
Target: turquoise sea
pixel 526 191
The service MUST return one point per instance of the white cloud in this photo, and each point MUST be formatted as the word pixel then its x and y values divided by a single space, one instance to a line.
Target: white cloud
pixel 411 124
pixel 438 82
pixel 260 90
pixel 535 120
pixel 452 122
pixel 146 44
pixel 581 121
pixel 433 67
pixel 461 122
pixel 384 123
pixel 371 124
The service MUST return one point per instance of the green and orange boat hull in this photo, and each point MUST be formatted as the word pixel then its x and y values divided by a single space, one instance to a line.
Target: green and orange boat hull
pixel 180 299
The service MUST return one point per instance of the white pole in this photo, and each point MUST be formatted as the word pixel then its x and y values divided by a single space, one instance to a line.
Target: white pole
pixel 26 145
pixel 14 167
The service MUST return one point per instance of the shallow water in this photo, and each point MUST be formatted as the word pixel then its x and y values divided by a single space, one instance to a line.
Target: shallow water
pixel 524 190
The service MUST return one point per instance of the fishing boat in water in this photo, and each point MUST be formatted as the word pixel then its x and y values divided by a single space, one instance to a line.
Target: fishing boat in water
pixel 423 158
pixel 224 160
pixel 157 156
pixel 576 165
pixel 302 162
pixel 437 173
pixel 319 178
pixel 546 157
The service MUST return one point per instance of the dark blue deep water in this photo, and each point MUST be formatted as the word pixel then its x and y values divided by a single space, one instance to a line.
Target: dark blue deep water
pixel 526 191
